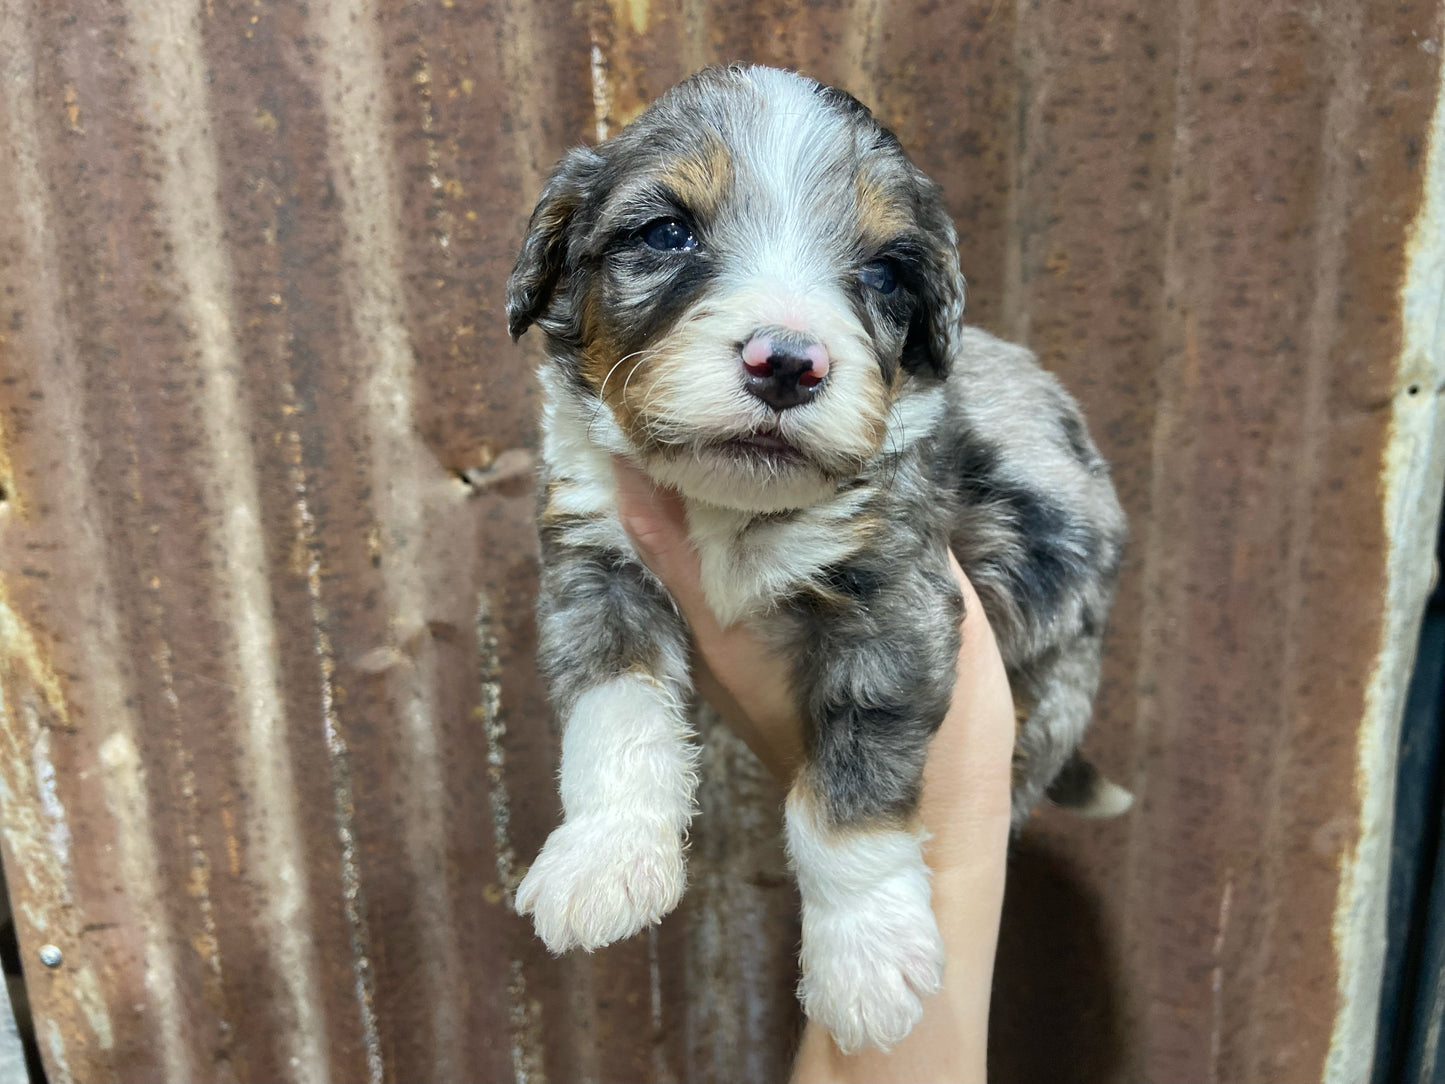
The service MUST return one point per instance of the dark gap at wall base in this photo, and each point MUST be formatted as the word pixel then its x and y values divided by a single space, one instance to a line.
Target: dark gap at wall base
pixel 1413 993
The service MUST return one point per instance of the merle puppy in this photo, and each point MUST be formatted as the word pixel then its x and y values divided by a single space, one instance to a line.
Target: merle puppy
pixel 752 294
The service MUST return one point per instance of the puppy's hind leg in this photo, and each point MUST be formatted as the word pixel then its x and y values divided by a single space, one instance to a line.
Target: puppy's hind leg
pixel 1058 690
pixel 616 656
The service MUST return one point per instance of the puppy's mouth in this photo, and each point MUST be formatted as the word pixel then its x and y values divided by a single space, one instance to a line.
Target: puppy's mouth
pixel 760 447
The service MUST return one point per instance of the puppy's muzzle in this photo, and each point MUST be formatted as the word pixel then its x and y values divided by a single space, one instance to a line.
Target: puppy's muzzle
pixel 784 369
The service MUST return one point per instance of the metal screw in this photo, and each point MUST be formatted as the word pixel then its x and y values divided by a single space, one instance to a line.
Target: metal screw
pixel 50 955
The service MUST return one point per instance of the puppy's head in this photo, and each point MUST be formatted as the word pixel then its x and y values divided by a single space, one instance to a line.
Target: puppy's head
pixel 749 280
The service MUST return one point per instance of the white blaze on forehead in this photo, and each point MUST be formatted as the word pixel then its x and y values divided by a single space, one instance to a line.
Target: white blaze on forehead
pixel 792 158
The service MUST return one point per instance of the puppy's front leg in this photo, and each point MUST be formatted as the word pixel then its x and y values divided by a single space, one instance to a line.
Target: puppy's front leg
pixel 877 686
pixel 615 654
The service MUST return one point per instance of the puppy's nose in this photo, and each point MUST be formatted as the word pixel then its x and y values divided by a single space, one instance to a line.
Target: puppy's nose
pixel 784 371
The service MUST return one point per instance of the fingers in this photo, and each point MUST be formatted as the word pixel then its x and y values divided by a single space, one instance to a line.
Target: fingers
pixel 968 775
pixel 656 522
pixel 737 673
pixel 654 519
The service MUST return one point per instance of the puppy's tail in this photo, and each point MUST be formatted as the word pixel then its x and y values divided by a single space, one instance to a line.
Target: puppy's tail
pixel 1081 788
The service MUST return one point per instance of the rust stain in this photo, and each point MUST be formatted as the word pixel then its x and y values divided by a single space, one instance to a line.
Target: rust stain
pixel 20 648
pixel 1412 475
pixel 632 14
pixel 263 442
pixel 233 841
pixel 72 109
pixel 12 502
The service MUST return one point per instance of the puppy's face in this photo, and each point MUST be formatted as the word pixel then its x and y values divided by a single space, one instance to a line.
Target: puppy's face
pixel 750 280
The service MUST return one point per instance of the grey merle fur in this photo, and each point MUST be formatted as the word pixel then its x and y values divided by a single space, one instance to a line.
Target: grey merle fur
pixel 1007 476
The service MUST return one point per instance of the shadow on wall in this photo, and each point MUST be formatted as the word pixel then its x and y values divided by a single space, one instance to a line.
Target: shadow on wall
pixel 1055 964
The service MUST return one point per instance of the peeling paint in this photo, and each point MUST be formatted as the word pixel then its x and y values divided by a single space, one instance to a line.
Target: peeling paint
pixel 1411 480
pixel 353 895
pixel 29 840
pixel 45 785
pixel 525 1018
pixel 58 1065
pixel 18 645
pixel 601 93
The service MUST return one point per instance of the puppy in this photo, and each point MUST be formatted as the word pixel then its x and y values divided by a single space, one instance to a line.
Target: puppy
pixel 752 294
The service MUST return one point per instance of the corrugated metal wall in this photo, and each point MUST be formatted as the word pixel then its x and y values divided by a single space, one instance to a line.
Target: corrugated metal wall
pixel 272 749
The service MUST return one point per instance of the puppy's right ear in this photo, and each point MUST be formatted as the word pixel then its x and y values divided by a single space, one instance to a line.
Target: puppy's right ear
pixel 544 251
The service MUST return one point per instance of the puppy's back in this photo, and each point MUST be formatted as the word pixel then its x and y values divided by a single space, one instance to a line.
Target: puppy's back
pixel 1038 527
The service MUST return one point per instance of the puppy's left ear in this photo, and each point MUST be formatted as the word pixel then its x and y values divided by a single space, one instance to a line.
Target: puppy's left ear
pixel 933 333
pixel 544 250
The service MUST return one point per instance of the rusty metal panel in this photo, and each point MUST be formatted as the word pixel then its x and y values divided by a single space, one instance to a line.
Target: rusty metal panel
pixel 272 748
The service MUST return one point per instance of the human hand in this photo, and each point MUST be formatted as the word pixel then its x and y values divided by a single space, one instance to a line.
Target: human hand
pixel 965 804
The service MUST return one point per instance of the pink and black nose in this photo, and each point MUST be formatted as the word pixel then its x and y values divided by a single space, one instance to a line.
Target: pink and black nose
pixel 784 370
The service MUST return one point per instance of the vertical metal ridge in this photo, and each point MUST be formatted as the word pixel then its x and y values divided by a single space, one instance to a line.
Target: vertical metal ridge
pixel 741 934
pixel 1341 47
pixel 1412 476
pixel 123 779
pixel 695 50
pixel 524 1017
pixel 1010 321
pixel 199 884
pixel 860 49
pixel 363 161
pixel 171 88
pixel 1161 593
pixel 339 761
pixel 522 61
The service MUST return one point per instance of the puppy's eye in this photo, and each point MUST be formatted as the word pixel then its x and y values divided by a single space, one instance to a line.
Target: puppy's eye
pixel 879 275
pixel 668 235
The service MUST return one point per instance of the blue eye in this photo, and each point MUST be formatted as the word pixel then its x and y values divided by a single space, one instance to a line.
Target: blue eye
pixel 668 235
pixel 879 276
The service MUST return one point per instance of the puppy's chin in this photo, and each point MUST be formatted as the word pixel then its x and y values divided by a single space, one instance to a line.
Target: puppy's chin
pixel 744 476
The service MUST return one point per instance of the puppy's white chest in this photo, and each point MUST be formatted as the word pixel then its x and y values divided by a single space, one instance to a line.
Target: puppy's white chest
pixel 750 562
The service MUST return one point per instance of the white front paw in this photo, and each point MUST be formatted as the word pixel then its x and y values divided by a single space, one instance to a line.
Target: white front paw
pixel 600 879
pixel 866 962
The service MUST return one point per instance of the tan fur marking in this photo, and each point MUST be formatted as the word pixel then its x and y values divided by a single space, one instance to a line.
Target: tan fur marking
pixel 600 354
pixel 611 373
pixel 701 180
pixel 804 793
pixel 876 402
pixel 881 217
